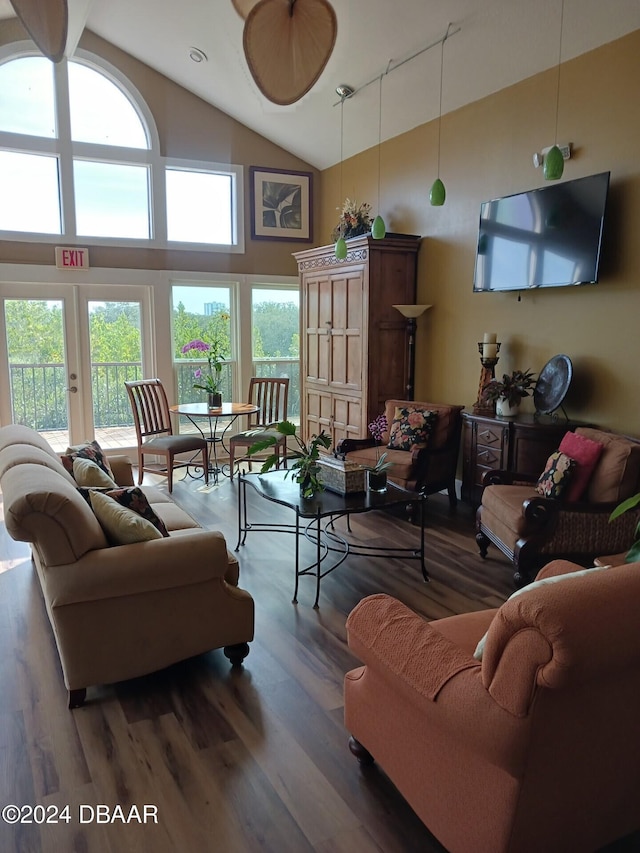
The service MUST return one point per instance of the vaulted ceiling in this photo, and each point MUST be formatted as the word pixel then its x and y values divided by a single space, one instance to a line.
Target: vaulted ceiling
pixel 494 44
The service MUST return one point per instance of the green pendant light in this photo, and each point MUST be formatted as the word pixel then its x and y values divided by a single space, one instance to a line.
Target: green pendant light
pixel 438 194
pixel 379 229
pixel 554 161
pixel 340 249
pixel 553 164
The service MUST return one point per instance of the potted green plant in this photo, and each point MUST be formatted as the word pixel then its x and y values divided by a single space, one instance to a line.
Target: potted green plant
pixel 508 392
pixel 305 467
pixel 377 474
pixel 633 554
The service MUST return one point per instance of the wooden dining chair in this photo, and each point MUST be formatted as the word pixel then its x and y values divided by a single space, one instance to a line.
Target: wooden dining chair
pixel 154 431
pixel 271 396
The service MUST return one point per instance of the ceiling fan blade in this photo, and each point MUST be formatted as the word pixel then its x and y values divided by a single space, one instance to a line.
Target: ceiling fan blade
pixel 47 23
pixel 287 44
pixel 243 7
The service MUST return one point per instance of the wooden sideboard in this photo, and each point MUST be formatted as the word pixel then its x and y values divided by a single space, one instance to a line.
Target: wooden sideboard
pixel 492 443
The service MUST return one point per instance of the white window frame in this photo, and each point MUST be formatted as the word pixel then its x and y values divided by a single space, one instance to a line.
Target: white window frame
pixel 67 151
pixel 241 287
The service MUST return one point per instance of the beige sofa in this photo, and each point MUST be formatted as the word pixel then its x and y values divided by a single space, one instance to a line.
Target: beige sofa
pixel 121 611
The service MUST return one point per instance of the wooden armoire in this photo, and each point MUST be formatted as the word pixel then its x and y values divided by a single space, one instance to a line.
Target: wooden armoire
pixel 353 343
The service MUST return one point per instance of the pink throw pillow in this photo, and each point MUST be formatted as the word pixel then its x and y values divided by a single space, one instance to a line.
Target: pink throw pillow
pixel 586 454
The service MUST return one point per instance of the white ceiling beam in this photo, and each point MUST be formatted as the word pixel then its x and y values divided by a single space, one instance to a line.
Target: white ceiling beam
pixel 78 14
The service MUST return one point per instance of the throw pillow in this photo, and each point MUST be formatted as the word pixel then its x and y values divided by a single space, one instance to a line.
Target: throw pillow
pixel 87 473
pixel 586 453
pixel 122 526
pixel 411 427
pixel 556 475
pixel 134 498
pixel 89 450
pixel 532 586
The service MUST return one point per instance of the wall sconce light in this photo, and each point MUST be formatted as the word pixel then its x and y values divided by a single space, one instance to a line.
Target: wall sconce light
pixel 411 313
pixel 539 158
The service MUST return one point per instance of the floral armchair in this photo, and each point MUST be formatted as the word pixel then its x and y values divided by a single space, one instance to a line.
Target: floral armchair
pixel 427 466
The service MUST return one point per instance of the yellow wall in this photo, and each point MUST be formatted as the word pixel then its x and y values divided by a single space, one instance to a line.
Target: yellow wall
pixel 192 129
pixel 487 150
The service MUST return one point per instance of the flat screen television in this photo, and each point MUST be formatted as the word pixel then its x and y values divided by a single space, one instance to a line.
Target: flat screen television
pixel 547 237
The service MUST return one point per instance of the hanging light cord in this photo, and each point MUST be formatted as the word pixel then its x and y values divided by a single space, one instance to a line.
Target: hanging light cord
pixel 440 106
pixel 446 36
pixel 559 65
pixel 341 142
pixel 379 135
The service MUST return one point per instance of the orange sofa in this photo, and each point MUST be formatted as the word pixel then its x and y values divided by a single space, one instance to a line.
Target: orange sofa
pixel 534 748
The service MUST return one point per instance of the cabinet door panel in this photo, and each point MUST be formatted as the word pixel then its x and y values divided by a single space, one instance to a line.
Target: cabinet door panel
pixel 347 418
pixel 318 411
pixel 346 331
pixel 317 320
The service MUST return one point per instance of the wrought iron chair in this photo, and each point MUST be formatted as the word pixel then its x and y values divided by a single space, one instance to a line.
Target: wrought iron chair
pixel 271 396
pixel 154 431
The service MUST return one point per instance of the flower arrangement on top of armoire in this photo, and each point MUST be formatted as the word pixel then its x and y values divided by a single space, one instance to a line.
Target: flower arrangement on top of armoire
pixel 355 219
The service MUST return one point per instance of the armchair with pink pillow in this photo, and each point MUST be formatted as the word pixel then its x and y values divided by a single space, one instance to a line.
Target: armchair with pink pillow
pixel 567 512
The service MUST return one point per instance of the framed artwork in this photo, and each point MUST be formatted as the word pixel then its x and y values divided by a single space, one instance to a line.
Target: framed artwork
pixel 281 204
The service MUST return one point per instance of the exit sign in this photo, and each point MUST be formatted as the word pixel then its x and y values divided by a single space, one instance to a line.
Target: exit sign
pixel 72 259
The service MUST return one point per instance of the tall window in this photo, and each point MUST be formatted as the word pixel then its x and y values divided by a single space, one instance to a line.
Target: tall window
pixel 80 159
pixel 254 325
pixel 201 313
pixel 275 337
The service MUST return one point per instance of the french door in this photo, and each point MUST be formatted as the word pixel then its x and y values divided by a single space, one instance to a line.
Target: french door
pixel 65 353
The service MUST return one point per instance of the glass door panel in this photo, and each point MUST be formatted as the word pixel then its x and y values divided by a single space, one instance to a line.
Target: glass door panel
pixel 116 356
pixel 36 348
pixel 65 354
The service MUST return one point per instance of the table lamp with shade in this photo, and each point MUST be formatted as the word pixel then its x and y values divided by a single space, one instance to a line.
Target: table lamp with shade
pixel 411 314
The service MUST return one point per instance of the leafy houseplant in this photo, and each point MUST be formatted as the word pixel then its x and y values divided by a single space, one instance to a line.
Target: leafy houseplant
pixel 304 468
pixel 511 388
pixel 633 554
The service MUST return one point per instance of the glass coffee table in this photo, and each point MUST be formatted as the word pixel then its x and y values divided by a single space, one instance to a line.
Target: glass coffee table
pixel 315 521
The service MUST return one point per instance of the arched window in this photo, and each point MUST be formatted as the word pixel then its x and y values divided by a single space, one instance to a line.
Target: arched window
pixel 80 159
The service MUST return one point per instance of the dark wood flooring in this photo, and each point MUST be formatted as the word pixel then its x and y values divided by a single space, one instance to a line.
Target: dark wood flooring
pixel 234 761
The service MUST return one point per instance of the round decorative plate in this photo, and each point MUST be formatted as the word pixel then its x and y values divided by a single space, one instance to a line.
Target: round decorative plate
pixel 553 384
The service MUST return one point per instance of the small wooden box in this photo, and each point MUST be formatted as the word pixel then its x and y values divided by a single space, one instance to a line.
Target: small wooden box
pixel 340 476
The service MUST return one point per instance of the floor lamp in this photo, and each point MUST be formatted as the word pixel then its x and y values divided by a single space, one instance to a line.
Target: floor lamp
pixel 411 313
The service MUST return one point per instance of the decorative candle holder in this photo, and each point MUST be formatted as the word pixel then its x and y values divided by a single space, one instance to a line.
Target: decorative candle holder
pixel 488 372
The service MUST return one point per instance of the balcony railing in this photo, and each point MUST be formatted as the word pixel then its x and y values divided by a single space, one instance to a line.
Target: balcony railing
pixel 39 394
pixel 39 391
